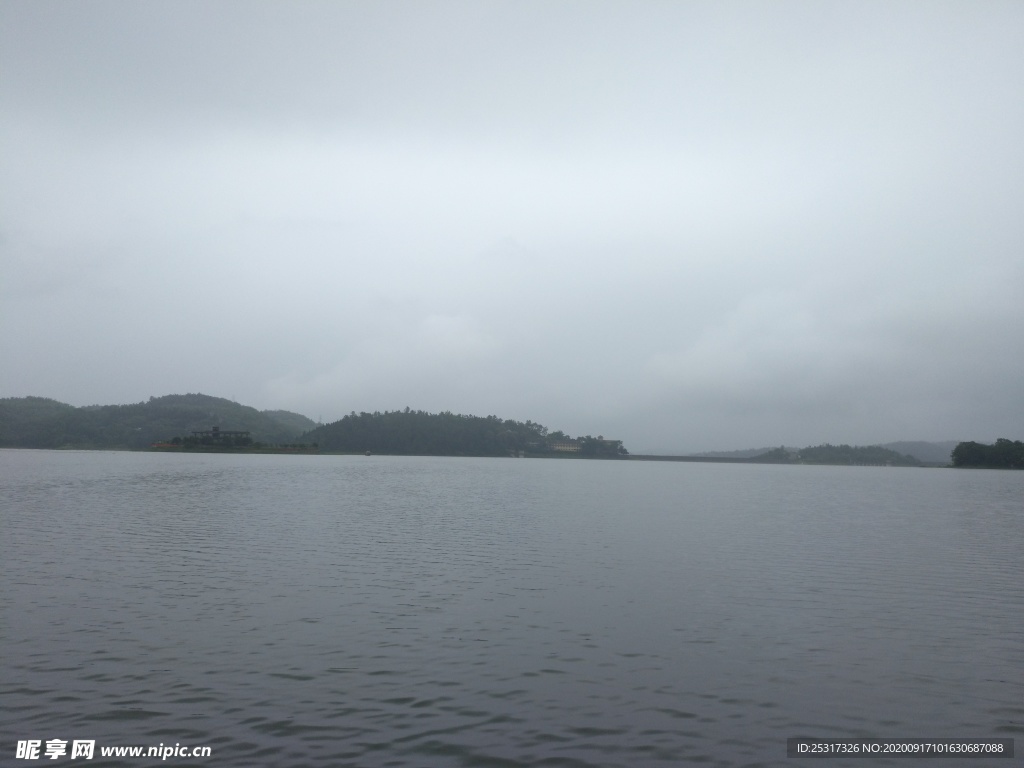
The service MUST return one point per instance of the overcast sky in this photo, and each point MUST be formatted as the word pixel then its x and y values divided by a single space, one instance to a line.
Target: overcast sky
pixel 688 225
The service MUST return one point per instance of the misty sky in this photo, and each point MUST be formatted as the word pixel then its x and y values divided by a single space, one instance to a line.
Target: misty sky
pixel 688 225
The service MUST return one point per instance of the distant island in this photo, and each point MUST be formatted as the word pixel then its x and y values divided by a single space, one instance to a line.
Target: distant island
pixel 1004 454
pixel 835 455
pixel 929 453
pixel 850 455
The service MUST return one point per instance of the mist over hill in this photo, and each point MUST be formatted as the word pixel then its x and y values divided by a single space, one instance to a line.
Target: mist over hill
pixel 39 422
pixel 925 452
pixel 929 453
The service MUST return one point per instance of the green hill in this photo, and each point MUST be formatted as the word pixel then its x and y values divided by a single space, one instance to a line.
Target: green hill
pixel 36 422
pixel 32 422
pixel 448 434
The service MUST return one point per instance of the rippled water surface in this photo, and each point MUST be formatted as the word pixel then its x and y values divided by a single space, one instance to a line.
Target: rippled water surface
pixel 378 611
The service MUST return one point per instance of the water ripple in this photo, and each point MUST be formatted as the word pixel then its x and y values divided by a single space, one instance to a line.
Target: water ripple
pixel 360 611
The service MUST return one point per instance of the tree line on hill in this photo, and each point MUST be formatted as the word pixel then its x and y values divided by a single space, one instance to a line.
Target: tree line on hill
pixel 39 422
pixel 449 434
pixel 1004 454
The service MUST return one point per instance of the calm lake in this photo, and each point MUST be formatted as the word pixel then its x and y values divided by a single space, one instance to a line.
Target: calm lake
pixel 382 611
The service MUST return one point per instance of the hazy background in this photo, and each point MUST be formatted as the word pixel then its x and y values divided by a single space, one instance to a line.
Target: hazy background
pixel 688 225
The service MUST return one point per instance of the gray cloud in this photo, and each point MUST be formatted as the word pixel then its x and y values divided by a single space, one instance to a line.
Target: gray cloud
pixel 692 226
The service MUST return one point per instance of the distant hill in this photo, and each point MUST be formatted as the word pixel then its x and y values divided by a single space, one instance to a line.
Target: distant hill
pixel 927 453
pixel 868 455
pixel 38 422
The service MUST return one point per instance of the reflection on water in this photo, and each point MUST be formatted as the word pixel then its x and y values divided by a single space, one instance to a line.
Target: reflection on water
pixel 372 611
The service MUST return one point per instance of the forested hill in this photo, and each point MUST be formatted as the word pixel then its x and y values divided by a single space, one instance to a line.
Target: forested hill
pixel 1004 454
pixel 448 434
pixel 38 422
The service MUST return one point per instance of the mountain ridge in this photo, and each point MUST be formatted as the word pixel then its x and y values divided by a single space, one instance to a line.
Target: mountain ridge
pixel 41 422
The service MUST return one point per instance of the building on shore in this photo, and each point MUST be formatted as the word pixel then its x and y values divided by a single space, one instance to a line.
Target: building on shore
pixel 218 435
pixel 565 446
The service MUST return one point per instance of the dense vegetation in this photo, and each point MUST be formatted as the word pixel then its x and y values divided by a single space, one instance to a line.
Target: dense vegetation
pixel 448 434
pixel 1004 454
pixel 869 455
pixel 38 422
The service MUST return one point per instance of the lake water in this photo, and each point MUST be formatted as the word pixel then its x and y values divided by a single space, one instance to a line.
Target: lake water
pixel 384 611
